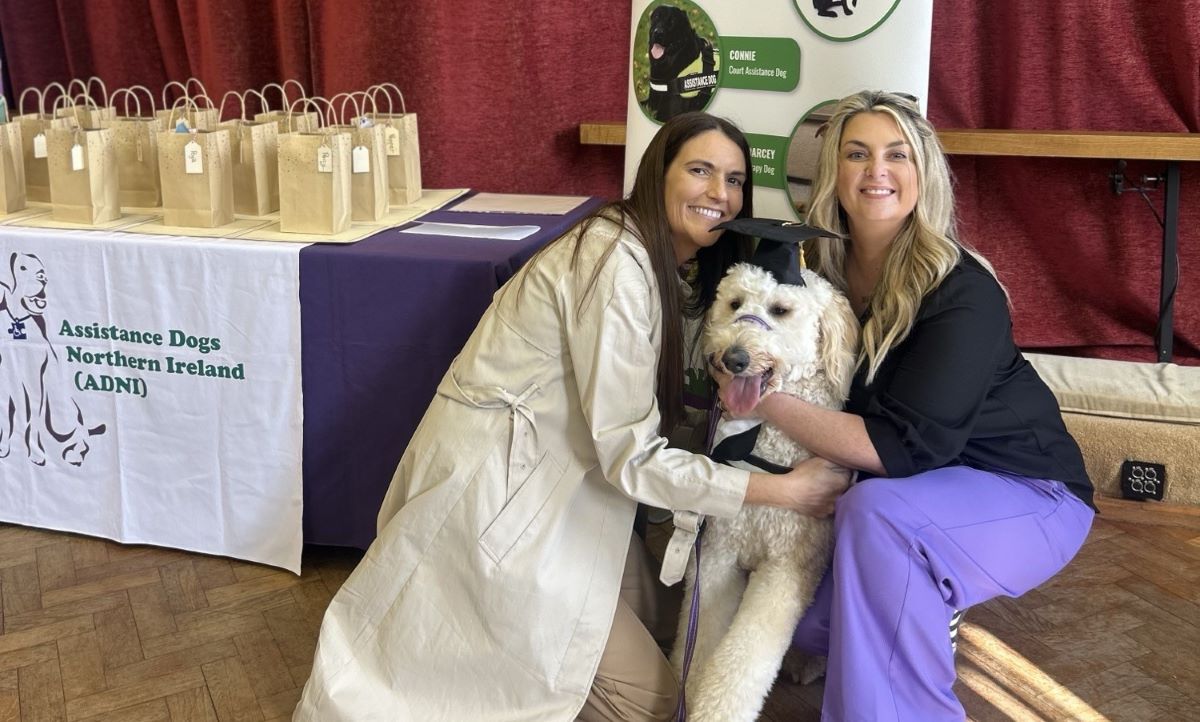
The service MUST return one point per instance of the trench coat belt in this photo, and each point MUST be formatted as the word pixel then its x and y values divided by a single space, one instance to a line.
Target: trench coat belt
pixel 679 549
pixel 522 446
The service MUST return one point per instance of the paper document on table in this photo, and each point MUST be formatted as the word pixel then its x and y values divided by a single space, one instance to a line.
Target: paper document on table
pixel 467 230
pixel 519 203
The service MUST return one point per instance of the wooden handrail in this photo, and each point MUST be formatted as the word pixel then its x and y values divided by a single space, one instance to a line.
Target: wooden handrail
pixel 602 133
pixel 1072 144
pixel 1029 143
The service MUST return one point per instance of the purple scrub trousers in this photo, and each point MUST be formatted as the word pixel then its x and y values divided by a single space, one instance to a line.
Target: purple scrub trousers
pixel 907 554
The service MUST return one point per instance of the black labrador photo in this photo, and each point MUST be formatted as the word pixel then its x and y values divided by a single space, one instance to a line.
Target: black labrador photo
pixel 682 65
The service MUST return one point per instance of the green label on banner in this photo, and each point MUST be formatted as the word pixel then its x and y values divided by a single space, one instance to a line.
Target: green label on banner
pixel 767 153
pixel 771 64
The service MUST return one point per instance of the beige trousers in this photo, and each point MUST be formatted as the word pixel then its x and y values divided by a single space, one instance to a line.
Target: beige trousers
pixel 634 681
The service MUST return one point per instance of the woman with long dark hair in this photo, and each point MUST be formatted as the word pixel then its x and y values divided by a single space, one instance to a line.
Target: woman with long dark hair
pixel 495 590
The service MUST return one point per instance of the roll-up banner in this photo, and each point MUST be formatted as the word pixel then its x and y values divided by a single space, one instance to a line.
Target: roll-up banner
pixel 773 68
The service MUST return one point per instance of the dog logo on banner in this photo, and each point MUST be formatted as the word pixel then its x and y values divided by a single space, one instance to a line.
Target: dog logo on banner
pixel 35 405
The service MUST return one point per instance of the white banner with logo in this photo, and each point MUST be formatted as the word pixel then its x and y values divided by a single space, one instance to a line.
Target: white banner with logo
pixel 150 389
pixel 774 69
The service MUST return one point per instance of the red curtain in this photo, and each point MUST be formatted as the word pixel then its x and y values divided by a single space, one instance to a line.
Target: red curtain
pixel 501 88
pixel 1081 264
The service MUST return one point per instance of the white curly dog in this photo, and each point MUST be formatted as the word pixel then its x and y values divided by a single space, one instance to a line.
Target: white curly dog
pixel 759 570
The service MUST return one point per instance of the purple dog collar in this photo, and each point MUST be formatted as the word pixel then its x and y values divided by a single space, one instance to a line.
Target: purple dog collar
pixel 751 318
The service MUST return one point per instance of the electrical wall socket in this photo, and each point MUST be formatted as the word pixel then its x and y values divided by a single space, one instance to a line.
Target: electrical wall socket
pixel 1143 480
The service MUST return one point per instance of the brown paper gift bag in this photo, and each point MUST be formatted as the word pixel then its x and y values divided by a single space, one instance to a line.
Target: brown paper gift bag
pixel 314 181
pixel 12 164
pixel 368 161
pixel 136 139
pixel 305 121
pixel 403 148
pixel 254 149
pixel 197 177
pixel 83 175
pixel 33 141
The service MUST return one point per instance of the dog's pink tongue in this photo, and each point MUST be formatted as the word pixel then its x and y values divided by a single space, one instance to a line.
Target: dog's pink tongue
pixel 741 396
pixel 656 51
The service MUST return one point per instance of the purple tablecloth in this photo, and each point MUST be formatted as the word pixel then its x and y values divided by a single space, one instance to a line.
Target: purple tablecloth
pixel 381 319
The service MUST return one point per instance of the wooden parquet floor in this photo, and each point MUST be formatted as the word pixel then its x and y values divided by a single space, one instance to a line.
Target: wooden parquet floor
pixel 97 631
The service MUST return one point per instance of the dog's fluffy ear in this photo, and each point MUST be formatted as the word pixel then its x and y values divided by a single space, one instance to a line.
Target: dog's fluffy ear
pixel 839 342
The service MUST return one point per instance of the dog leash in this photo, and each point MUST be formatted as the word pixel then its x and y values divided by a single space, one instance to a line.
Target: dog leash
pixel 690 644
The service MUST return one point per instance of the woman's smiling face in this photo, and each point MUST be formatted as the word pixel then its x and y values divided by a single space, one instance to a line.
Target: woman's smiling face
pixel 703 187
pixel 877 179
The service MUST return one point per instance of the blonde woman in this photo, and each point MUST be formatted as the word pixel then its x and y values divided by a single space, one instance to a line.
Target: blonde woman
pixel 973 486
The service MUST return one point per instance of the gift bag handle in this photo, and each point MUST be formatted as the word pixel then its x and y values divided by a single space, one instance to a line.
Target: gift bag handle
pixel 62 90
pixel 207 100
pixel 262 100
pixel 83 87
pixel 392 86
pixel 66 101
pixel 341 111
pixel 41 100
pixel 365 97
pixel 303 102
pixel 85 100
pixel 187 85
pixel 241 100
pixel 330 116
pixel 185 101
pixel 373 90
pixel 360 131
pixel 103 90
pixel 131 94
pixel 166 104
pixel 282 93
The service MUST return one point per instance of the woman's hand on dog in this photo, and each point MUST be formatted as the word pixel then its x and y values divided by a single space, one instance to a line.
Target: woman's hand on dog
pixel 812 488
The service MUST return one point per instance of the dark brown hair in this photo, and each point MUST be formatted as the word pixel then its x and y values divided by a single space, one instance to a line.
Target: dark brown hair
pixel 643 213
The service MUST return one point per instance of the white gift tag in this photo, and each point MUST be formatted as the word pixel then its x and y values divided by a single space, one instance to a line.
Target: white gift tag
pixel 360 160
pixel 77 157
pixel 39 145
pixel 193 158
pixel 324 159
pixel 391 138
pixel 139 150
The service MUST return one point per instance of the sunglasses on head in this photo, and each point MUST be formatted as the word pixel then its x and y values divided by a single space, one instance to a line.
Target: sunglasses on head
pixel 907 97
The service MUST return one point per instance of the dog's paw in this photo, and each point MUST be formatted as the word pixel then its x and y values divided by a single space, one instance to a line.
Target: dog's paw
pixel 814 669
pixel 802 668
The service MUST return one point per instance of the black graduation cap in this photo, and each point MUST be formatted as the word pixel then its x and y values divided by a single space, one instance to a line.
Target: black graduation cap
pixel 778 249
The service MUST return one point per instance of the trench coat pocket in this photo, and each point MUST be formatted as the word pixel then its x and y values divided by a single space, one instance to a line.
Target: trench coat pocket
pixel 520 511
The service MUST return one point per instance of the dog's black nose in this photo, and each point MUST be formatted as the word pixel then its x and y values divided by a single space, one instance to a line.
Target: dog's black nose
pixel 735 360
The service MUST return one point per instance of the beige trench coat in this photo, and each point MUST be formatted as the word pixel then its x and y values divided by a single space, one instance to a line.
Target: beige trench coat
pixel 491 589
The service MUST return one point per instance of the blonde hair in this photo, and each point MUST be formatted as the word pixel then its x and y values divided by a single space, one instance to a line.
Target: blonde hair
pixel 923 252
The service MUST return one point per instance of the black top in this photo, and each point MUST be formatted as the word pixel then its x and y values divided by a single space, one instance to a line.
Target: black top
pixel 957 391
